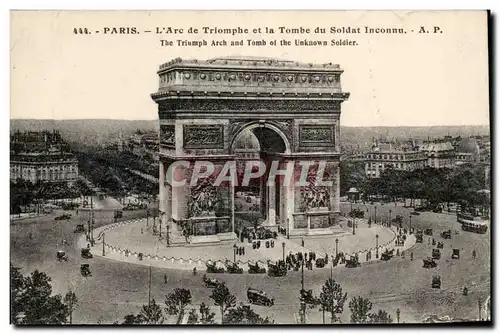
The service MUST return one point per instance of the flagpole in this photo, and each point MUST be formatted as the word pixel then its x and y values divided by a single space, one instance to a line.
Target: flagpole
pixel 149 289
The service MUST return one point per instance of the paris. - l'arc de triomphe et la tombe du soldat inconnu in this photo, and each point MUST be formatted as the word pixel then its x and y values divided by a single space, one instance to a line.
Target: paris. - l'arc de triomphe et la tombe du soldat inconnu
pixel 293 109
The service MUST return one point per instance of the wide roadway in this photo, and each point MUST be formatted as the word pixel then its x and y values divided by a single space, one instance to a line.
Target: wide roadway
pixel 116 289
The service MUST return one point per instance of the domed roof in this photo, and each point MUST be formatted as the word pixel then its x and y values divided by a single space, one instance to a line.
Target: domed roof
pixel 468 145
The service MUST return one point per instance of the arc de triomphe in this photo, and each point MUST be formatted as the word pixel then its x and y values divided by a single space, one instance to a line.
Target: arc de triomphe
pixel 293 109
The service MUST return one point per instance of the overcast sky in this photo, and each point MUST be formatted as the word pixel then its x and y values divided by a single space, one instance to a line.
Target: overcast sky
pixel 394 80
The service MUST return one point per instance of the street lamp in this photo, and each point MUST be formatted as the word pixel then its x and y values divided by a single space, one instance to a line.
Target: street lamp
pixel 410 224
pixel 375 213
pixel 283 245
pixel 353 226
pixel 376 243
pixel 147 218
pixel 390 217
pixel 398 312
pixel 336 247
pixel 234 252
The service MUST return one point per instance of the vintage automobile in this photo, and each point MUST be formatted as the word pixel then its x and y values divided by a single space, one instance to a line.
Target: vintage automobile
pixel 429 263
pixel 255 268
pixel 213 268
pixel 79 229
pixel 118 214
pixel 211 282
pixel 259 297
pixel 428 231
pixel 440 245
pixel 436 282
pixel 436 254
pixel 61 256
pixel 85 270
pixel 446 234
pixel 419 238
pixel 233 268
pixel 86 254
pixel 353 262
pixel 455 254
pixel 415 213
pixel 277 269
pixel 387 255
pixel 64 216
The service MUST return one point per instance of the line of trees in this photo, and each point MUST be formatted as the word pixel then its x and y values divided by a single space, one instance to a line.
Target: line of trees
pixel 177 301
pixel 24 193
pixel 32 302
pixel 434 186
pixel 332 300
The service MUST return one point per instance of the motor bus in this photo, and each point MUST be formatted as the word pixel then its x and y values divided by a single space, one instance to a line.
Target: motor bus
pixel 471 225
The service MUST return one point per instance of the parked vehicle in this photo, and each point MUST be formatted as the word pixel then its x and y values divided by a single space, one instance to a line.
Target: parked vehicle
pixel 415 213
pixel 428 231
pixel 259 297
pixel 61 256
pixel 277 269
pixel 440 245
pixel 212 268
pixel 387 255
pixel 233 268
pixel 455 254
pixel 353 262
pixel 118 214
pixel 255 269
pixel 429 263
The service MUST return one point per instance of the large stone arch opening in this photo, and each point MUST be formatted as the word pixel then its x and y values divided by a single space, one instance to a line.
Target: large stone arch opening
pixel 293 110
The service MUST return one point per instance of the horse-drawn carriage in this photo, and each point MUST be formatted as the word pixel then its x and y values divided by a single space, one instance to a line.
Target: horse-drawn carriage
pixel 277 269
pixel 210 282
pixel 85 270
pixel 429 263
pixel 259 297
pixel 233 268
pixel 255 268
pixel 86 254
pixel 212 268
pixel 61 256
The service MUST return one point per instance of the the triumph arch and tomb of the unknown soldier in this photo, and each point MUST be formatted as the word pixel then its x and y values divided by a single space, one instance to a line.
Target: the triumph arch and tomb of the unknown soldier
pixel 294 111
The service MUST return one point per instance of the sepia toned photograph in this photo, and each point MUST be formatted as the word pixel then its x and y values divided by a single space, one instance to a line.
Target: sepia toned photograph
pixel 195 168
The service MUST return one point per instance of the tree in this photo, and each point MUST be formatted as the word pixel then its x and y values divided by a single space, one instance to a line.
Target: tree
pixel 223 298
pixel 71 302
pixel 150 315
pixel 360 309
pixel 381 317
pixel 244 315
pixel 177 301
pixel 32 300
pixel 332 299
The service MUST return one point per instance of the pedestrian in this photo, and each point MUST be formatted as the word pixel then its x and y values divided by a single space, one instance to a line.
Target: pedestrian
pixel 165 279
pixel 31 236
pixel 142 230
pixel 302 242
pixel 474 254
pixel 411 256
